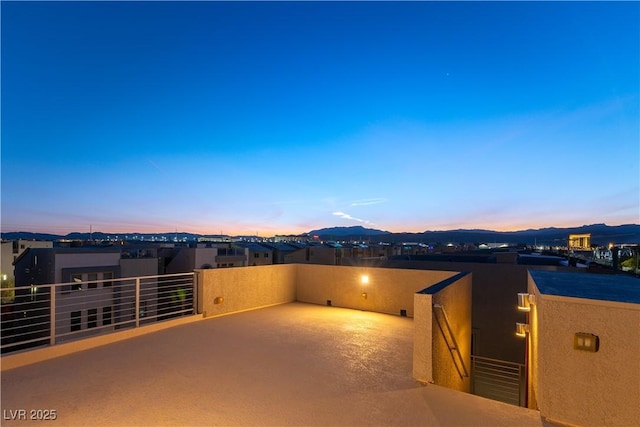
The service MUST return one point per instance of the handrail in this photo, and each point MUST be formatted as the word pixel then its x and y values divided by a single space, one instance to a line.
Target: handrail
pixel 41 315
pixel 453 347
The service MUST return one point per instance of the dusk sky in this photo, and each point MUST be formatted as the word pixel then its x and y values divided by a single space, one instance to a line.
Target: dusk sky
pixel 278 118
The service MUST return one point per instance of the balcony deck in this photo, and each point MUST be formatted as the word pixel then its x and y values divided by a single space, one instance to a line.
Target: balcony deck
pixel 292 364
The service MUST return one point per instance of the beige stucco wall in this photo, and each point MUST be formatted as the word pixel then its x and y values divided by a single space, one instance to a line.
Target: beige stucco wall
pixel 456 300
pixel 432 360
pixel 423 337
pixel 388 290
pixel 244 288
pixel 580 387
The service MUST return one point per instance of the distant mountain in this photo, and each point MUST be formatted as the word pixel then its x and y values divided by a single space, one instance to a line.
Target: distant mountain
pixel 355 231
pixel 601 234
pixel 24 235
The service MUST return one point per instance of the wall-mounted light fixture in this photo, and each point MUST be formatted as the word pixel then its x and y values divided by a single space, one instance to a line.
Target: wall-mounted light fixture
pixel 522 329
pixel 218 300
pixel 525 300
pixel 364 295
pixel 364 279
pixel 585 341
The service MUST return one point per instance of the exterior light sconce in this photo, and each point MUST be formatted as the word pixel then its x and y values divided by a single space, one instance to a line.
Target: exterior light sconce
pixel 525 300
pixel 218 300
pixel 364 295
pixel 586 342
pixel 364 279
pixel 522 329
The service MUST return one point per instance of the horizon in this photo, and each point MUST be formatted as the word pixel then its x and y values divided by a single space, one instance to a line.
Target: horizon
pixel 316 229
pixel 275 118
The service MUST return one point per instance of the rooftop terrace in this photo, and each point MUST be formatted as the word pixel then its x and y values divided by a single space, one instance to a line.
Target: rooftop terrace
pixel 290 364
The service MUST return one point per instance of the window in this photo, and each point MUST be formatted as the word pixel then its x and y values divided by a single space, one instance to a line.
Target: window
pixel 92 278
pixel 106 315
pixel 108 279
pixel 256 255
pixel 76 320
pixel 266 254
pixel 92 317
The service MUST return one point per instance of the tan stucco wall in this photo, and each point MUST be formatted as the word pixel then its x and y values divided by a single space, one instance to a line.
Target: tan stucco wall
pixel 245 288
pixel 580 387
pixel 423 338
pixel 388 290
pixel 432 360
pixel 456 300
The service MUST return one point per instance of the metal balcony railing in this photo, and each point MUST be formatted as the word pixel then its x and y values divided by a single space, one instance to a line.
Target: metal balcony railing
pixel 44 315
pixel 498 380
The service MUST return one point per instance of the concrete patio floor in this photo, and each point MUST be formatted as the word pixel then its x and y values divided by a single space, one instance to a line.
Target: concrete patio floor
pixel 288 365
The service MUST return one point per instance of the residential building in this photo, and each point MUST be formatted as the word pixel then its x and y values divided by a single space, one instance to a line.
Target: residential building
pixel 281 250
pixel 89 293
pixel 256 253
pixel 11 250
pixel 206 256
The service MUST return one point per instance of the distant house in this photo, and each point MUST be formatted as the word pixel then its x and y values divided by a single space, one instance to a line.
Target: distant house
pixel 88 292
pixel 257 254
pixel 314 255
pixel 12 250
pixel 281 250
pixel 206 256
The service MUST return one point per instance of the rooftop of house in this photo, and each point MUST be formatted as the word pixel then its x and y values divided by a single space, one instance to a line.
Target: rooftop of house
pixel 604 287
pixel 291 364
pixel 255 247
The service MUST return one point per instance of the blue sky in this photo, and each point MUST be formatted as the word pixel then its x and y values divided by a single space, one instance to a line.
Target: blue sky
pixel 275 118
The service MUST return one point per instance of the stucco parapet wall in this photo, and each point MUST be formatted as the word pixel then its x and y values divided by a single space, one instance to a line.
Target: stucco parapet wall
pixel 443 284
pixel 442 342
pixel 231 290
pixel 383 290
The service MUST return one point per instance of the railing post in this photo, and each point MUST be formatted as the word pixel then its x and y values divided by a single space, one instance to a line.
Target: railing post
pixel 194 292
pixel 52 310
pixel 137 302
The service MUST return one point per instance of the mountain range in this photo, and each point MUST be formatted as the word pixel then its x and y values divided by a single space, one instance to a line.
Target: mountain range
pixel 601 234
